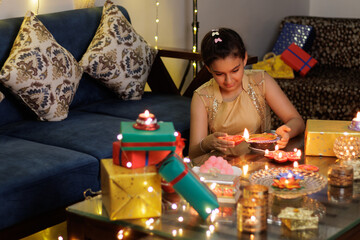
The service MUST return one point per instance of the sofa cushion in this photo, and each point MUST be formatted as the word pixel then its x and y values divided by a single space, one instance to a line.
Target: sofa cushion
pixel 118 56
pixel 40 72
pixel 34 180
pixel 84 132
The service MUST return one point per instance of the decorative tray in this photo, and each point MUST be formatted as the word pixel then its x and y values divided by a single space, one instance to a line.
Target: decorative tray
pixel 313 182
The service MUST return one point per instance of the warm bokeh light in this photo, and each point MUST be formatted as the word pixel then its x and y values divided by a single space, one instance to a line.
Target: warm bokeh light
pixel 246 134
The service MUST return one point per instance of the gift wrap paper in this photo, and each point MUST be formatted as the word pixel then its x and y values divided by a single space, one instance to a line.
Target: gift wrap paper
pixel 186 183
pixel 301 35
pixel 298 59
pixel 320 136
pixel 126 193
pixel 138 159
pixel 298 218
pixel 142 140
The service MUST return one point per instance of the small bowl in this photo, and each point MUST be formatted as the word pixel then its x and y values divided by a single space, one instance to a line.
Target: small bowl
pixel 263 141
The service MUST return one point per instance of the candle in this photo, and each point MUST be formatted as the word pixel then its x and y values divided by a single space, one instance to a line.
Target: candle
pixel 269 154
pixel 355 123
pixel 246 134
pixel 296 164
pixel 146 121
pixel 293 156
pixel 357 119
pixel 251 222
pixel 280 156
pixel 145 115
pixel 245 170
pixel 251 215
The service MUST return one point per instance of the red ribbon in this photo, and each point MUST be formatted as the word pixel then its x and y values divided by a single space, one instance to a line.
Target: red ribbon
pixel 147 144
pixel 180 176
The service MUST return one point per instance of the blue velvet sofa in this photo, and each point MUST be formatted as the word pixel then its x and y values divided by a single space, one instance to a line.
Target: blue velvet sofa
pixel 46 166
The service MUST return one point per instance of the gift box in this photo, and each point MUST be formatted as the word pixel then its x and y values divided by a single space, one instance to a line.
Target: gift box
pixel 139 159
pixel 136 159
pixel 320 136
pixel 298 218
pixel 130 193
pixel 301 35
pixel 226 187
pixel 186 184
pixel 160 139
pixel 298 59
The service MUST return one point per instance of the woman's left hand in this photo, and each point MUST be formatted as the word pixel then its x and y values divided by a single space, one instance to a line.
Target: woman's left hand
pixel 283 131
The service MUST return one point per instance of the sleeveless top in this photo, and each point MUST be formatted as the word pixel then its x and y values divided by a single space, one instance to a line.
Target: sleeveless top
pixel 249 109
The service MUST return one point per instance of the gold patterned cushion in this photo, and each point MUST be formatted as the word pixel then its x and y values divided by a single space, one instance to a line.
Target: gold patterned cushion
pixel 117 56
pixel 40 71
pixel 1 96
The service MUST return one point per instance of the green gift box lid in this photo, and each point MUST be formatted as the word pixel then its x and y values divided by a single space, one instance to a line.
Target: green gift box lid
pixel 162 138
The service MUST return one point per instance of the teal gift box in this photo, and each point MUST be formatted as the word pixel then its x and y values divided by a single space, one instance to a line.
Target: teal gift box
pixel 163 138
pixel 186 183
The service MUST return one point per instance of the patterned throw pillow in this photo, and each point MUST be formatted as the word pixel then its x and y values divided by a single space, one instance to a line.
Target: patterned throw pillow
pixel 1 96
pixel 40 71
pixel 117 56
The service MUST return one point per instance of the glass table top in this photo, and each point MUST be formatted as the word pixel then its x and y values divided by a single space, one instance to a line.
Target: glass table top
pixel 338 210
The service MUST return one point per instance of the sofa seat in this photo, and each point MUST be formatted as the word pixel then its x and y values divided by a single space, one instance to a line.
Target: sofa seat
pixel 37 177
pixel 83 132
pixel 330 90
pixel 176 109
pixel 324 93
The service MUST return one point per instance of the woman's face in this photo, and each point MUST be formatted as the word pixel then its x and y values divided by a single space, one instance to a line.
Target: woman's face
pixel 228 73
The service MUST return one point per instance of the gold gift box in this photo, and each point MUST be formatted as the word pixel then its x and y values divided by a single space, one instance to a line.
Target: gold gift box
pixel 320 136
pixel 298 218
pixel 130 193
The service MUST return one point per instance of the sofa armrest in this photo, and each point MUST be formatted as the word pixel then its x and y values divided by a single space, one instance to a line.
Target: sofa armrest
pixel 159 79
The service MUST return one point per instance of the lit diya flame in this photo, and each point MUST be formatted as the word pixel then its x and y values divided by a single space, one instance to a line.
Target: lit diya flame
pixel 357 116
pixel 245 169
pixel 296 164
pixel 146 113
pixel 246 134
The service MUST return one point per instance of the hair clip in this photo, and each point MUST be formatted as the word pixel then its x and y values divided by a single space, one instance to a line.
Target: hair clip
pixel 214 32
pixel 217 40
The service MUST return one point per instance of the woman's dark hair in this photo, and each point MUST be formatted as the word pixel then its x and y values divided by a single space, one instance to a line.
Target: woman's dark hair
pixel 221 43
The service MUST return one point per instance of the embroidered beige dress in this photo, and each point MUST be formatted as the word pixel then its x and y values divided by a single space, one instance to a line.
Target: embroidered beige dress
pixel 249 110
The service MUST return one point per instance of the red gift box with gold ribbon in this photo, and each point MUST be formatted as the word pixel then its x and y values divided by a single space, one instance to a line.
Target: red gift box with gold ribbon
pixel 298 59
pixel 138 159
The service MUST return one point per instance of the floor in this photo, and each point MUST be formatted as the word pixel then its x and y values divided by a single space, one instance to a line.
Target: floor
pixel 57 232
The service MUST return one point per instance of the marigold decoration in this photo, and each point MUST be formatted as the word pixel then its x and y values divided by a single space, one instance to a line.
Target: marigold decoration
pixel 288 180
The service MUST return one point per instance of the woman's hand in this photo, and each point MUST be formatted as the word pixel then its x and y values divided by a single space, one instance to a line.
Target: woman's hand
pixel 213 142
pixel 283 131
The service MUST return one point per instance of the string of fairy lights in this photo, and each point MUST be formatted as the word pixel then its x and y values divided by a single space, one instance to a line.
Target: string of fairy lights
pixel 157 23
pixel 195 27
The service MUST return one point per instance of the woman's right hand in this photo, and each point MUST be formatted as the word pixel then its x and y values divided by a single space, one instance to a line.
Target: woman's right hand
pixel 213 142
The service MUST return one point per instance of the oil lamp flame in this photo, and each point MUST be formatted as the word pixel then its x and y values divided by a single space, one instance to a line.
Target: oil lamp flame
pixel 358 116
pixel 296 164
pixel 246 134
pixel 146 113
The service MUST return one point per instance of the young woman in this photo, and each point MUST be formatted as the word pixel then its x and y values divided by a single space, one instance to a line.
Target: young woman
pixel 235 98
